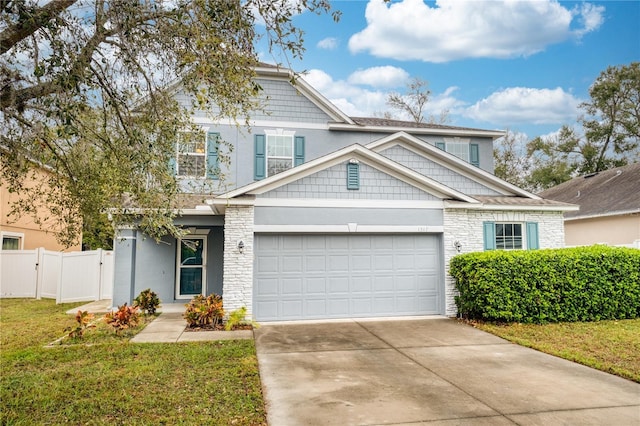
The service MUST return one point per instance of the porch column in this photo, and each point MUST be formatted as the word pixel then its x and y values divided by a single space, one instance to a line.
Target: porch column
pixel 237 279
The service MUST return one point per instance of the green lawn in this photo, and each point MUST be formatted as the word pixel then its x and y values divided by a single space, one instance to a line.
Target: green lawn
pixel 119 382
pixel 611 346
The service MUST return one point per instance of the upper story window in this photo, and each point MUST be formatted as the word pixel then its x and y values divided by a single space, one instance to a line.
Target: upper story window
pixel 197 155
pixel 510 236
pixel 277 151
pixel 462 148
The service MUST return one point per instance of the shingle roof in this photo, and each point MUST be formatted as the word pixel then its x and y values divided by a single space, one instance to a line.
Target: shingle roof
pixel 519 201
pixel 611 192
pixel 386 122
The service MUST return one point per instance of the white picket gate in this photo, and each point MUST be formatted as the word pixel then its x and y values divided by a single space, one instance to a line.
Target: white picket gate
pixel 67 277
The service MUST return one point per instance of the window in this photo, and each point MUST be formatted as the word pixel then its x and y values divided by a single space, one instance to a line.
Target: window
pixel 510 236
pixel 277 151
pixel 191 277
pixel 197 155
pixel 469 152
pixel 12 241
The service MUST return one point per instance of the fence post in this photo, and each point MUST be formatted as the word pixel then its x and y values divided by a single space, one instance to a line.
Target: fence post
pixel 39 271
pixel 100 254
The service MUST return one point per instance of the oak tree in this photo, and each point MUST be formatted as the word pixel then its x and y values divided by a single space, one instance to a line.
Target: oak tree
pixel 87 92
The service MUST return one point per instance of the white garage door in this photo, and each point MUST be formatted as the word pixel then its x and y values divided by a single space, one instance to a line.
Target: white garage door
pixel 346 276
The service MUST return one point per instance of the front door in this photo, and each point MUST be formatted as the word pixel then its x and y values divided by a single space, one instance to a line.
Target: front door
pixel 192 267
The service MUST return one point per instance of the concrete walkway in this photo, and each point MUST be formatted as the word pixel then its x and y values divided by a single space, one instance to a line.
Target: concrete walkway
pixel 428 371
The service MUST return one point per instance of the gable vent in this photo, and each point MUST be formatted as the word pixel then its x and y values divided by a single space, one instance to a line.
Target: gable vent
pixel 353 175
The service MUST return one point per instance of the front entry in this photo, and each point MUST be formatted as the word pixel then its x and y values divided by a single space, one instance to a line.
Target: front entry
pixel 191 267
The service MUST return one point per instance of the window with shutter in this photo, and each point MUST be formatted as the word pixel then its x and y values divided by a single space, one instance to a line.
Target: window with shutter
pixel 277 151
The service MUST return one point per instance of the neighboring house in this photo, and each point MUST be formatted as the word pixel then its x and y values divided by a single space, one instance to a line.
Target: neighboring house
pixel 24 233
pixel 609 207
pixel 330 216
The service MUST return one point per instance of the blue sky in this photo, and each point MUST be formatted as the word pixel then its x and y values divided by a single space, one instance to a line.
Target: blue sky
pixel 513 64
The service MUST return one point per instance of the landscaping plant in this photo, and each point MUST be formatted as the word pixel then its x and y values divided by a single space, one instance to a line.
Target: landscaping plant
pixel 83 320
pixel 205 311
pixel 558 285
pixel 238 319
pixel 125 317
pixel 148 301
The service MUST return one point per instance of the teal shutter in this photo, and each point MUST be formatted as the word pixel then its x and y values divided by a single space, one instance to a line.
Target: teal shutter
pixel 533 242
pixel 353 176
pixel 260 166
pixel 213 168
pixel 474 154
pixel 489 231
pixel 173 165
pixel 298 150
pixel 441 145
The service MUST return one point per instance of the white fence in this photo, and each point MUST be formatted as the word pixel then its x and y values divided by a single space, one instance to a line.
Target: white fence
pixel 66 277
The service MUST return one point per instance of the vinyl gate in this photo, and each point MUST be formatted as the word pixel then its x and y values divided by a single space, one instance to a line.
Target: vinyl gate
pixel 66 277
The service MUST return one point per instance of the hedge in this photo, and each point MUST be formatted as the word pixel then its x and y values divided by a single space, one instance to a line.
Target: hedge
pixel 554 285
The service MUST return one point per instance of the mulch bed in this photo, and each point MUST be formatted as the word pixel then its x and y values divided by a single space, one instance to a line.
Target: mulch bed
pixel 219 327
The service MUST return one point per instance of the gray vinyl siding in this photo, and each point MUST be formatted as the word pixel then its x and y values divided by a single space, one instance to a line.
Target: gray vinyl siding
pixel 343 216
pixel 437 172
pixel 285 103
pixel 332 183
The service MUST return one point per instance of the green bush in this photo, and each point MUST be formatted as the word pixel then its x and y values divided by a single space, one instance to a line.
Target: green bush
pixel 575 284
pixel 148 301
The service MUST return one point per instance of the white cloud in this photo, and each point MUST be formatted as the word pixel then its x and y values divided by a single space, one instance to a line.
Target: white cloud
pixel 457 29
pixel 329 43
pixel 386 77
pixel 522 105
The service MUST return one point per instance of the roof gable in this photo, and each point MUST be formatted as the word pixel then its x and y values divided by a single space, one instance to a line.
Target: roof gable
pixel 361 154
pixel 449 161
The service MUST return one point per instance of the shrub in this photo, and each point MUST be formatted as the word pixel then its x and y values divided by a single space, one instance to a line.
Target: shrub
pixel 125 317
pixel 238 319
pixel 83 318
pixel 577 284
pixel 204 311
pixel 148 301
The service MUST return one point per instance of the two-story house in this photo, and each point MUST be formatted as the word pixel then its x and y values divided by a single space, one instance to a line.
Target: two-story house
pixel 322 215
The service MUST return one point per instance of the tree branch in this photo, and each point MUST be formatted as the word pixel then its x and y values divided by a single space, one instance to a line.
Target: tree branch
pixel 25 27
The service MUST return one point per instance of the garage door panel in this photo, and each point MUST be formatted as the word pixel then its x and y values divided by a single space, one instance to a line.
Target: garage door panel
pixel 337 285
pixel 292 264
pixel 338 264
pixel 316 286
pixel 361 285
pixel 342 276
pixel 338 308
pixel 315 263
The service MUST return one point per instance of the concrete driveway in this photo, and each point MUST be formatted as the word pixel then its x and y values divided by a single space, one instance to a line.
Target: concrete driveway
pixel 428 371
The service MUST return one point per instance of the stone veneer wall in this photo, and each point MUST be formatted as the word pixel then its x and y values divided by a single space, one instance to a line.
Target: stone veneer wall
pixel 466 227
pixel 237 279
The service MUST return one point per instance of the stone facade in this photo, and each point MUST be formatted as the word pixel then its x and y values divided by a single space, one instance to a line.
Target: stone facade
pixel 466 227
pixel 238 264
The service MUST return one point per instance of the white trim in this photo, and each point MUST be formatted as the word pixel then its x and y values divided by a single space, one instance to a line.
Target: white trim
pixel 348 203
pixel 266 124
pixel 602 215
pixel 491 207
pixel 349 228
pixel 203 238
pixel 9 234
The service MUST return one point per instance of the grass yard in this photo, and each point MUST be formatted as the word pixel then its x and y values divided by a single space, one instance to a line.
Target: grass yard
pixel 213 383
pixel 611 346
